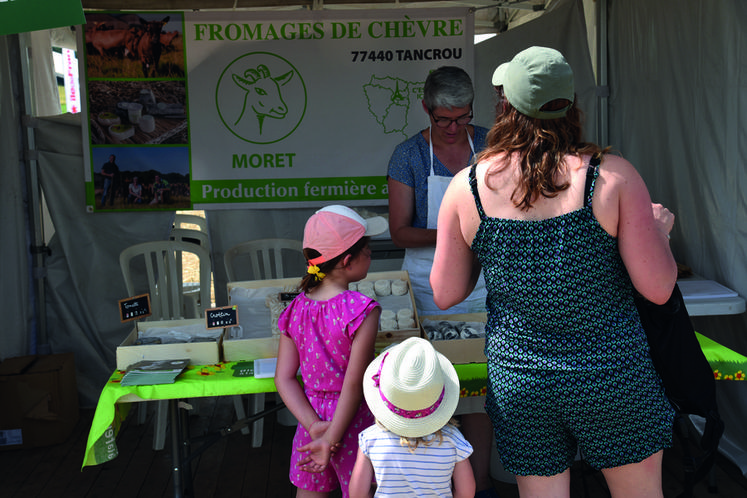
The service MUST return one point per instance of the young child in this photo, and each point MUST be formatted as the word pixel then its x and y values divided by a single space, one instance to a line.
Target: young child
pixel 413 449
pixel 329 331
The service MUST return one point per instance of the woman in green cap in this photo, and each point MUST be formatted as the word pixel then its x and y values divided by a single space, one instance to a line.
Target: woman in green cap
pixel 563 234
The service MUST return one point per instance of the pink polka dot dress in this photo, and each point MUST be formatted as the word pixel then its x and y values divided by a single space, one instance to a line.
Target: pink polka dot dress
pixel 323 333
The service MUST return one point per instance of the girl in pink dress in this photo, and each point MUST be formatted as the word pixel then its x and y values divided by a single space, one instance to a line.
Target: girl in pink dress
pixel 329 332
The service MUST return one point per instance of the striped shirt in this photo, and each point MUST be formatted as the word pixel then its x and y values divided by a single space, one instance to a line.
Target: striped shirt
pixel 426 472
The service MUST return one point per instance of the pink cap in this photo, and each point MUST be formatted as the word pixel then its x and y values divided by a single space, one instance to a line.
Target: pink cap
pixel 334 229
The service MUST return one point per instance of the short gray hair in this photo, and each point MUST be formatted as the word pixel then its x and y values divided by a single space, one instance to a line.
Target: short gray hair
pixel 448 87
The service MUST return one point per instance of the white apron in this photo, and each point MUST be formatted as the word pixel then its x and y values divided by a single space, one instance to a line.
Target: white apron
pixel 418 261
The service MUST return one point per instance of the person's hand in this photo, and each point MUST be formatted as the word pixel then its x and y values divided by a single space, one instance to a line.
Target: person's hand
pixel 317 460
pixel 318 428
pixel 664 218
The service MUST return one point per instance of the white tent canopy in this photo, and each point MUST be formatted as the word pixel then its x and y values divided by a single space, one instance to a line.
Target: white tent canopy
pixel 676 109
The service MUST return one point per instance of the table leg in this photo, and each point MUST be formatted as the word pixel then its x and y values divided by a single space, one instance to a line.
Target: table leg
pixel 176 449
pixel 186 460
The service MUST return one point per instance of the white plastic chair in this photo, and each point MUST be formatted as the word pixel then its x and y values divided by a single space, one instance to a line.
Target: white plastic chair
pixel 189 235
pixel 191 291
pixel 162 277
pixel 182 220
pixel 267 259
pixel 152 267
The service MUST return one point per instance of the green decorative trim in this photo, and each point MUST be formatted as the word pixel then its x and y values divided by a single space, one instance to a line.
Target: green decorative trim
pixel 726 363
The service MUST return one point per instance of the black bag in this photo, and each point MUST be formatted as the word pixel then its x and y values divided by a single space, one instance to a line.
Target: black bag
pixel 687 377
pixel 676 353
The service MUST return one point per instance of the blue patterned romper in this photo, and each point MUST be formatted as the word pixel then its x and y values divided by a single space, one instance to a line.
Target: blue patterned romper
pixel 568 361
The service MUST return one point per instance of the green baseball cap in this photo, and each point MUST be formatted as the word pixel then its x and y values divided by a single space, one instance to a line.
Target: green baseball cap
pixel 533 78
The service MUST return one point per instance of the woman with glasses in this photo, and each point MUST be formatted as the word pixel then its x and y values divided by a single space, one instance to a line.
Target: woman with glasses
pixel 419 171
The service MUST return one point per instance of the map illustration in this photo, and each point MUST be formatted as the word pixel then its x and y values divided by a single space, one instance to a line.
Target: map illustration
pixel 395 104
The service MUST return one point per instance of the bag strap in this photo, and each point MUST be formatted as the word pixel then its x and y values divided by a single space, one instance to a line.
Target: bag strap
pixel 591 174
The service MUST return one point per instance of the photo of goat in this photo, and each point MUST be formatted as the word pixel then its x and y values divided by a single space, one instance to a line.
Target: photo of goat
pixel 134 46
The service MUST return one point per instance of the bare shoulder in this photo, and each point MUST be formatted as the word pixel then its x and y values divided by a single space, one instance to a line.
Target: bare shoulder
pixel 617 168
pixel 618 189
pixel 619 179
pixel 462 176
pixel 459 185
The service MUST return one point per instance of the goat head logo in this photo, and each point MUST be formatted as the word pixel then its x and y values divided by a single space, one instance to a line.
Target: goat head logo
pixel 263 93
pixel 264 99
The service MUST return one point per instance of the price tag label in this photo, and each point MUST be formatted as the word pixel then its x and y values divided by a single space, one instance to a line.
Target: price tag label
pixel 286 297
pixel 226 316
pixel 135 307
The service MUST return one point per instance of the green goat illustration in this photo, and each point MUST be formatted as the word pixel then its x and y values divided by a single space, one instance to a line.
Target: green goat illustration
pixel 263 93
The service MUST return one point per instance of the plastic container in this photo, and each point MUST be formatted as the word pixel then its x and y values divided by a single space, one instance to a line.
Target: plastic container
pixel 134 112
pixel 147 98
pixel 147 123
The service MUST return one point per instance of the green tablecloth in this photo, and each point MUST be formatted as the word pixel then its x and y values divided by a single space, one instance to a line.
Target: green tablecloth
pixel 197 381
pixel 218 380
pixel 200 381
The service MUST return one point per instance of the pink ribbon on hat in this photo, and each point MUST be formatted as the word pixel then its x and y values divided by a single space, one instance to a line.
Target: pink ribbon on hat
pixel 401 411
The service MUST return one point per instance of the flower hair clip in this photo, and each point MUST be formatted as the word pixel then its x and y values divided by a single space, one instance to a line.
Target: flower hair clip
pixel 314 270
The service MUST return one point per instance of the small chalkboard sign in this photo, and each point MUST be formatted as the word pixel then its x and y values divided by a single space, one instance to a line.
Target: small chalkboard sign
pixel 286 297
pixel 135 307
pixel 217 318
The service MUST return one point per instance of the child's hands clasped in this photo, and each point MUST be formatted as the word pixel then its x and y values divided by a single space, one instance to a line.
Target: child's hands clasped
pixel 319 449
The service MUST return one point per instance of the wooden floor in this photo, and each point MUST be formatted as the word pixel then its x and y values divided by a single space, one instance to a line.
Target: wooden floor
pixel 232 468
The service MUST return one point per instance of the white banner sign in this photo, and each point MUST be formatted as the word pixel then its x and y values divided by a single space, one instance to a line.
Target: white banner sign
pixel 294 109
pixel 72 88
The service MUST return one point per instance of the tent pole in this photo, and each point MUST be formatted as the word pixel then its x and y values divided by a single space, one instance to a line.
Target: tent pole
pixel 37 248
pixel 603 89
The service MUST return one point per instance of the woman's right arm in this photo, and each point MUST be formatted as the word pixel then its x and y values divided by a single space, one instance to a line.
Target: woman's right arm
pixel 401 214
pixel 642 232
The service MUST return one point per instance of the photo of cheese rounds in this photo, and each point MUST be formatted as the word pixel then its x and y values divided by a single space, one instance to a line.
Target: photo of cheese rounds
pixel 389 325
pixel 108 118
pixel 121 131
pixel 388 315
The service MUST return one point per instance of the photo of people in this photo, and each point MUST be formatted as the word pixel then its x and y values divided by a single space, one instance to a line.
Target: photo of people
pixel 140 178
pixel 137 112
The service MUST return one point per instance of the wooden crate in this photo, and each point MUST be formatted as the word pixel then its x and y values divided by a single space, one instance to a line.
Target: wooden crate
pixel 266 347
pixel 199 353
pixel 460 350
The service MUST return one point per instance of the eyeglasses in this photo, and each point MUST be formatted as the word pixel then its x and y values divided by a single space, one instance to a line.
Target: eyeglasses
pixel 446 122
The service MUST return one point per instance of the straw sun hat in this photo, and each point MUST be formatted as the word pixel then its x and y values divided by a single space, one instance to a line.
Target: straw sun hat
pixel 411 389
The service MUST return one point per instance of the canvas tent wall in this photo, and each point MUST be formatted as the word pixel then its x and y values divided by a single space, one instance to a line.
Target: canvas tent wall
pixel 676 110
